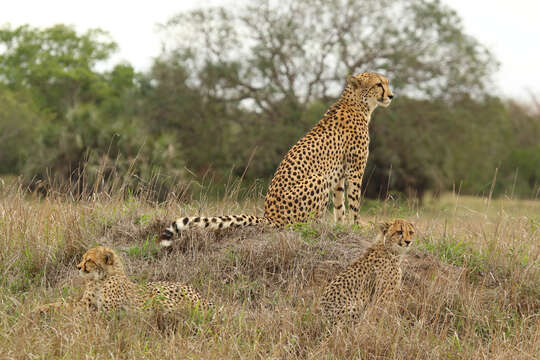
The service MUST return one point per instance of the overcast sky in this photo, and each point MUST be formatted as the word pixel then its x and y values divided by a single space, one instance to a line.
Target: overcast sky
pixel 511 29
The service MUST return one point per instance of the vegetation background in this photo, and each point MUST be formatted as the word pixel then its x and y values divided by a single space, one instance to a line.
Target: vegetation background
pixel 235 87
pixel 91 156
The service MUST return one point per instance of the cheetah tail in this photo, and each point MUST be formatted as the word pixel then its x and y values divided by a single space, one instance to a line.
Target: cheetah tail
pixel 212 223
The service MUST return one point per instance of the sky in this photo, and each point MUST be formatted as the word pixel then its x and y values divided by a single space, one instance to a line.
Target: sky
pixel 510 29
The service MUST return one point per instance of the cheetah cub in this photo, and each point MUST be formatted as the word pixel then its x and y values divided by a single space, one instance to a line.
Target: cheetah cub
pixel 108 288
pixel 375 276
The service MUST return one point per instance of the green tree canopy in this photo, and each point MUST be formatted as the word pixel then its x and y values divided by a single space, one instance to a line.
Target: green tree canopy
pixel 56 64
pixel 19 120
pixel 81 125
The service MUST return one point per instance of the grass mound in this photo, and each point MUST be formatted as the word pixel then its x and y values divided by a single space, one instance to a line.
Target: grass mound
pixel 470 286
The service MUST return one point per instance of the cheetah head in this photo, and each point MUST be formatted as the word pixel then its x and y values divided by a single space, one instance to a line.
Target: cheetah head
pixel 371 88
pixel 100 262
pixel 398 232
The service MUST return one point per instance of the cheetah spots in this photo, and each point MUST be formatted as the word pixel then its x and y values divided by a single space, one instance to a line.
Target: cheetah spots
pixel 215 223
pixel 375 276
pixel 336 147
pixel 113 290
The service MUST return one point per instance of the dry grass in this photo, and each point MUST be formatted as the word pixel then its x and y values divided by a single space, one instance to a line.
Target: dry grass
pixel 471 284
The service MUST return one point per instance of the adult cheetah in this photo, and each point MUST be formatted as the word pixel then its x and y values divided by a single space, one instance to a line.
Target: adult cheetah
pixel 375 276
pixel 333 153
pixel 108 288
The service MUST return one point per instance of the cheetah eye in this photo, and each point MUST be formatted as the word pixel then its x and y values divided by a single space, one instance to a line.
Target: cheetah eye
pixel 399 232
pixel 380 85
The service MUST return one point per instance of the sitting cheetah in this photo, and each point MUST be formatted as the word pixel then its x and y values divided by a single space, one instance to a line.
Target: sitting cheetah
pixel 108 288
pixel 375 276
pixel 331 154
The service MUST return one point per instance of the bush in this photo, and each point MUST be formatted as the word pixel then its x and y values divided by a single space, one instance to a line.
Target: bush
pixel 18 131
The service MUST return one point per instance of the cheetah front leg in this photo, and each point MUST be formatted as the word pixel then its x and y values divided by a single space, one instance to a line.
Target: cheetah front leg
pixel 42 309
pixel 74 309
pixel 388 285
pixel 354 191
pixel 339 201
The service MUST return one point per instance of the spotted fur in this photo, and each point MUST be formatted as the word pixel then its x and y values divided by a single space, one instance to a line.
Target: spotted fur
pixel 374 277
pixel 332 156
pixel 108 288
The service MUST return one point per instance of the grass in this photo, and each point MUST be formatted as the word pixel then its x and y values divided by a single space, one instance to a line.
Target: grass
pixel 471 284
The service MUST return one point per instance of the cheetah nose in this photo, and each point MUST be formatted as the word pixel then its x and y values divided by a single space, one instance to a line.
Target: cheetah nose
pixel 407 242
pixel 390 97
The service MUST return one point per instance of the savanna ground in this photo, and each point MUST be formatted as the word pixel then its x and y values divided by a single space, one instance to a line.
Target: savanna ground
pixel 471 286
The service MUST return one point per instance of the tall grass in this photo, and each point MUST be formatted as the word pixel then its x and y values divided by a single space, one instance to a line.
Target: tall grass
pixel 471 287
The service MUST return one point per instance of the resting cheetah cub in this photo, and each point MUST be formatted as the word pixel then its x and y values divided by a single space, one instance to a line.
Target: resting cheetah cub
pixel 375 276
pixel 108 288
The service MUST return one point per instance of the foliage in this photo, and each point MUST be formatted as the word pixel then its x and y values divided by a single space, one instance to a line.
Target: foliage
pixel 236 86
pixel 526 162
pixel 281 71
pixel 522 163
pixel 18 129
pixel 90 146
pixel 76 120
pixel 420 145
pixel 55 64
pixel 197 121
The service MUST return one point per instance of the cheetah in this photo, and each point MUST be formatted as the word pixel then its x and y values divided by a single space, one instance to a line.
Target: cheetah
pixel 108 288
pixel 330 156
pixel 375 276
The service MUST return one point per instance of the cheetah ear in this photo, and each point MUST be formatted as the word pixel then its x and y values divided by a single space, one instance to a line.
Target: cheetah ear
pixel 108 257
pixel 354 82
pixel 385 226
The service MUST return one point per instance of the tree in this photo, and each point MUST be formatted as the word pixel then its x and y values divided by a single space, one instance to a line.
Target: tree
pixel 420 145
pixel 56 64
pixel 284 62
pixel 521 165
pixel 269 51
pixel 82 127
pixel 199 121
pixel 19 119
